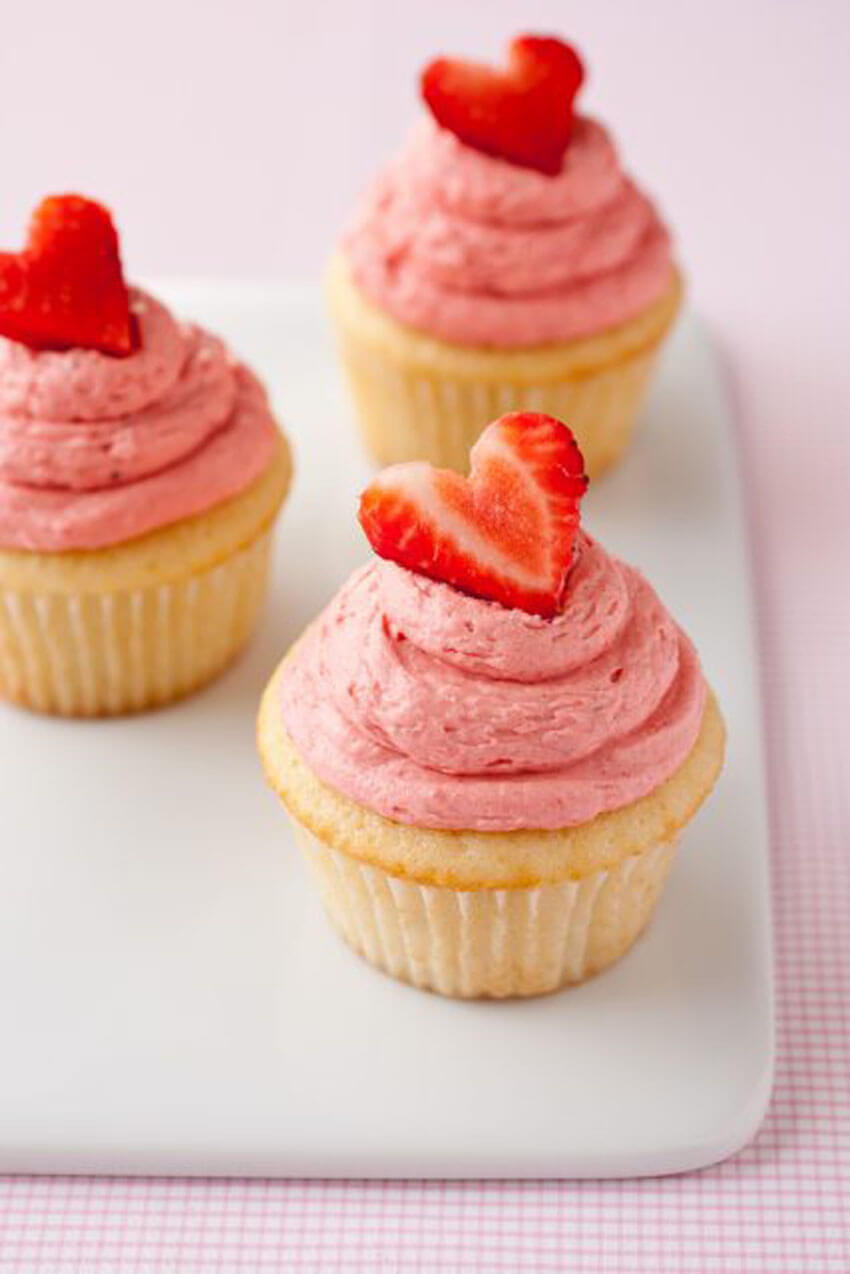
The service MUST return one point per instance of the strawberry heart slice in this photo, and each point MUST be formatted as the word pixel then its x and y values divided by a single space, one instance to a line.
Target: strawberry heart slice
pixel 523 114
pixel 66 289
pixel 506 532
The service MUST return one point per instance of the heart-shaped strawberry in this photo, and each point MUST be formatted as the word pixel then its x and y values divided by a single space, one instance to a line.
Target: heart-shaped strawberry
pixel 66 288
pixel 506 532
pixel 523 114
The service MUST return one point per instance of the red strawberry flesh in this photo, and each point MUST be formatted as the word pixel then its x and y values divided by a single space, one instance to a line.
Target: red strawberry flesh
pixel 66 288
pixel 523 114
pixel 506 533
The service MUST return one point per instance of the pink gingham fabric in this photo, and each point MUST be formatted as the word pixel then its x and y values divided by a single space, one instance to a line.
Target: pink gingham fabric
pixel 781 1206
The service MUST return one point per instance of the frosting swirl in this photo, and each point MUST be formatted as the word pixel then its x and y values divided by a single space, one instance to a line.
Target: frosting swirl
pixel 474 250
pixel 96 450
pixel 442 710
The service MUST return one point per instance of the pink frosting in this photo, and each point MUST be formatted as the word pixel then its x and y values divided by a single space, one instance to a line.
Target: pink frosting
pixel 96 450
pixel 442 710
pixel 478 251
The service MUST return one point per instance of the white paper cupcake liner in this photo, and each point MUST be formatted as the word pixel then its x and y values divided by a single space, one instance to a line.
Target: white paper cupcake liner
pixel 406 414
pixel 488 942
pixel 419 398
pixel 108 653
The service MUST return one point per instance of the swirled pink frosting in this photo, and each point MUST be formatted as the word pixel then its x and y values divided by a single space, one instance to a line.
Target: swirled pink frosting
pixel 97 450
pixel 477 251
pixel 442 710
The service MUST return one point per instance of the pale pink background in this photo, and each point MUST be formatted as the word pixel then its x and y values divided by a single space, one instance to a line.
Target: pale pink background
pixel 230 138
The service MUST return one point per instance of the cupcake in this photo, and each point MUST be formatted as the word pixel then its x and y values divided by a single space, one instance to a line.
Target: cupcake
pixel 141 471
pixel 502 261
pixel 490 740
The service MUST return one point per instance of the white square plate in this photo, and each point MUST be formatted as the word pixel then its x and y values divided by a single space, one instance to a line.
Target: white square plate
pixel 173 999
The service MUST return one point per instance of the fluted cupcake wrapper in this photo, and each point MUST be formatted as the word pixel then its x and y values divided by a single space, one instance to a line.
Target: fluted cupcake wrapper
pixel 488 942
pixel 419 398
pixel 97 654
pixel 406 413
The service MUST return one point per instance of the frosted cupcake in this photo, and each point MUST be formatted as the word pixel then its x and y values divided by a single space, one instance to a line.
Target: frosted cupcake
pixel 141 471
pixel 503 261
pixel 491 739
